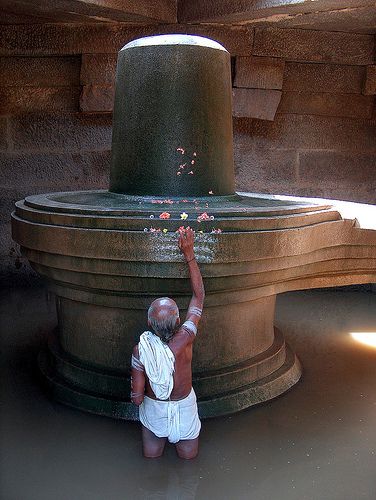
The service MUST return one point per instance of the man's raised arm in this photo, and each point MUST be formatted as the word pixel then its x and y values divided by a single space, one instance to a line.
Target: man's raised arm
pixel 186 239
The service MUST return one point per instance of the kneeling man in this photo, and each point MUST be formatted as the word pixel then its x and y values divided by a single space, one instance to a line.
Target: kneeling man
pixel 162 369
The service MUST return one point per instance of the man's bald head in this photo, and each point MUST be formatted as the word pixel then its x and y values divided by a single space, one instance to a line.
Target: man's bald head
pixel 163 317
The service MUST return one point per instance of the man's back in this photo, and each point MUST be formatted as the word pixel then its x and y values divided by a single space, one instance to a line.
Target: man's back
pixel 181 346
pixel 162 369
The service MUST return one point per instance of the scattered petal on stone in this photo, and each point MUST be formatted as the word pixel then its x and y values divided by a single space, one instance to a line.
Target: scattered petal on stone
pixel 181 150
pixel 211 192
pixel 190 173
pixel 195 154
pixel 202 217
pixel 165 215
pixel 184 216
pixel 192 162
pixel 178 173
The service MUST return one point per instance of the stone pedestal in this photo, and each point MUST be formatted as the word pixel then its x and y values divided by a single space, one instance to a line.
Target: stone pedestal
pixel 108 254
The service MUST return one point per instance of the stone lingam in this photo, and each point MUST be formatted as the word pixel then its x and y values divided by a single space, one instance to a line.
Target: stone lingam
pixel 107 254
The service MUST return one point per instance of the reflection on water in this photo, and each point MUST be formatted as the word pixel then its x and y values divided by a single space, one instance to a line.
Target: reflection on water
pixel 173 483
pixel 367 338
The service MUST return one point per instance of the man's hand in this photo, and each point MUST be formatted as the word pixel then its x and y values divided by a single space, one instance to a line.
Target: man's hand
pixel 185 242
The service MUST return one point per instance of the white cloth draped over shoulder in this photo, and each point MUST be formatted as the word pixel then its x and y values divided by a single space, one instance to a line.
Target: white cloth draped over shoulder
pixel 159 363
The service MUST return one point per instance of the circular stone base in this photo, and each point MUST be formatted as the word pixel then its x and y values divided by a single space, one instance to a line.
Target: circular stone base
pixel 257 392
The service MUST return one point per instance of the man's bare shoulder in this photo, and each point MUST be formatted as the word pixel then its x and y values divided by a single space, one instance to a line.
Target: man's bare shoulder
pixel 184 336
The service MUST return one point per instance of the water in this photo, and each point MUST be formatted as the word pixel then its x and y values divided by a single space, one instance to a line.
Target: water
pixel 317 442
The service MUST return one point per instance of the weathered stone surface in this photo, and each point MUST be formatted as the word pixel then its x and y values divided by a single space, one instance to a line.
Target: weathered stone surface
pixel 6 242
pixel 51 39
pixel 259 72
pixel 89 11
pixel 289 12
pixel 36 172
pixel 39 71
pixel 314 46
pixel 355 20
pixel 370 82
pixel 256 103
pixel 3 134
pixel 56 39
pixel 308 132
pixel 10 195
pixel 337 78
pixel 50 132
pixel 237 40
pixel 97 98
pixel 15 100
pixel 331 191
pixel 263 169
pixel 98 69
pixel 338 168
pixel 326 104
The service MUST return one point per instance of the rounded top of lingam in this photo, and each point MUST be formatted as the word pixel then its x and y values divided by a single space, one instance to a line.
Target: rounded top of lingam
pixel 174 39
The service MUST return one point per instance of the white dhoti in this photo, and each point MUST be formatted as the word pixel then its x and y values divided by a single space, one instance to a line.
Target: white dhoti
pixel 175 420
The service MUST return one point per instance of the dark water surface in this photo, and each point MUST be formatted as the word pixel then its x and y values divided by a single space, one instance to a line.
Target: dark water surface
pixel 318 442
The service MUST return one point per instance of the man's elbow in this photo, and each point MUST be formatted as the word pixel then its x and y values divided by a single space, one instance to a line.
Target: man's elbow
pixel 137 400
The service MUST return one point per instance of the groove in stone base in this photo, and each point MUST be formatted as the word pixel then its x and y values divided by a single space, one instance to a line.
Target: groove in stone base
pixel 263 390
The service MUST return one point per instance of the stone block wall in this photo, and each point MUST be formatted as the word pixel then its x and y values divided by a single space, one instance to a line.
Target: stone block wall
pixel 304 111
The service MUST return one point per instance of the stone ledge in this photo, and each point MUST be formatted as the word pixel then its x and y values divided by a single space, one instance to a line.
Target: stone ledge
pixel 259 72
pixel 314 46
pixel 307 132
pixel 16 100
pixel 334 78
pixel 40 71
pixel 370 81
pixel 98 69
pixel 97 98
pixel 256 103
pixel 41 132
pixel 326 104
pixel 38 172
pixel 51 39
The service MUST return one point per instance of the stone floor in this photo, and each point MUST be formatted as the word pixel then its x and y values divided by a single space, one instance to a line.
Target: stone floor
pixel 317 442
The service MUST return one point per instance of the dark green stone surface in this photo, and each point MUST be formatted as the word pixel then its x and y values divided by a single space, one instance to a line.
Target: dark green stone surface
pixel 175 94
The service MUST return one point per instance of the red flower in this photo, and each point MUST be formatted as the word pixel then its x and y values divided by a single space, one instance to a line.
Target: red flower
pixel 165 215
